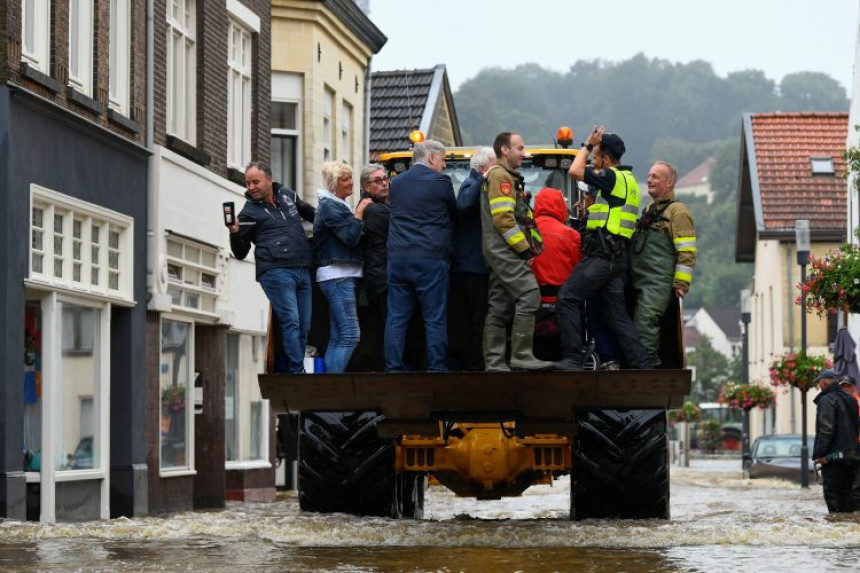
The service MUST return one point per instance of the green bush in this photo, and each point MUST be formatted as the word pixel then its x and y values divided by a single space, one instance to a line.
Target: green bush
pixel 710 436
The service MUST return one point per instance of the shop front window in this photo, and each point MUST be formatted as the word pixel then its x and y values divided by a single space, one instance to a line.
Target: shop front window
pixel 175 389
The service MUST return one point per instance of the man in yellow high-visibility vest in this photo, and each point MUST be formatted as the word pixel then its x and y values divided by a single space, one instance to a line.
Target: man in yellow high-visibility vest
pixel 611 221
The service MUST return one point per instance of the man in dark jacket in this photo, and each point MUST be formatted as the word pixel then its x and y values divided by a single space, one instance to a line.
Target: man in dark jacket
pixel 836 427
pixel 423 209
pixel 467 295
pixel 373 293
pixel 271 221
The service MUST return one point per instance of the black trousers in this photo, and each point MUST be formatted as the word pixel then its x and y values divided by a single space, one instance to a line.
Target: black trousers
pixel 467 311
pixel 838 481
pixel 607 278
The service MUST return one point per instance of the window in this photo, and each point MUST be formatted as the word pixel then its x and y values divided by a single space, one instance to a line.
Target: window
pixel 239 92
pixel 120 41
pixel 81 45
pixel 192 275
pixel 68 387
pixel 328 106
pixel 35 33
pixel 346 134
pixel 246 416
pixel 285 137
pixel 79 245
pixel 177 366
pixel 181 70
pixel 822 165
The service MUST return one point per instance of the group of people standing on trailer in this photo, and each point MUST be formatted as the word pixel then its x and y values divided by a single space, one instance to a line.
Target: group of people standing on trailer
pixel 478 267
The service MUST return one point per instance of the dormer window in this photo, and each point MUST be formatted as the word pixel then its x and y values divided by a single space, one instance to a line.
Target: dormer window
pixel 822 166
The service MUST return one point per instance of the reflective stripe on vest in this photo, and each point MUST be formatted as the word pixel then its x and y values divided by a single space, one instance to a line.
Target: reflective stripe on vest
pixel 619 220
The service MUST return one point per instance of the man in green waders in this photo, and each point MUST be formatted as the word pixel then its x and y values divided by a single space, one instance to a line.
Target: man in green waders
pixel 662 257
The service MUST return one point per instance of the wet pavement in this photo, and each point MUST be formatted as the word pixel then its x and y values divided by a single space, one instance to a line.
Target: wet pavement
pixel 720 522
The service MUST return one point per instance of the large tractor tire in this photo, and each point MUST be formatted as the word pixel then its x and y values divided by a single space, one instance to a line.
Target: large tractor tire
pixel 345 467
pixel 621 465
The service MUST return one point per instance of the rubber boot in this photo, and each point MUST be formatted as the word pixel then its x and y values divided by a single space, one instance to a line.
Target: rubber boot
pixel 495 345
pixel 522 340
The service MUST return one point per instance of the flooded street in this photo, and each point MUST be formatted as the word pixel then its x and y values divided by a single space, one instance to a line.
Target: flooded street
pixel 720 522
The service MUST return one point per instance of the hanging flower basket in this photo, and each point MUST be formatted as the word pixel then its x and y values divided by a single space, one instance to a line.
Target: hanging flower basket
pixel 798 370
pixel 746 396
pixel 689 412
pixel 833 282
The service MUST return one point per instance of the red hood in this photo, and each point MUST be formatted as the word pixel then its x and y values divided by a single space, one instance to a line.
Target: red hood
pixel 550 202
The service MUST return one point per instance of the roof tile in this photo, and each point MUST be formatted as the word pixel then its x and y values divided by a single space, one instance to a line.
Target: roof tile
pixel 784 144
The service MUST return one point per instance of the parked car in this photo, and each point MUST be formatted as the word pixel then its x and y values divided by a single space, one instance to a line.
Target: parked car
pixel 778 456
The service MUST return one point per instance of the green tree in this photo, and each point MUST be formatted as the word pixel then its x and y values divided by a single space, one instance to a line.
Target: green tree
pixel 811 91
pixel 712 371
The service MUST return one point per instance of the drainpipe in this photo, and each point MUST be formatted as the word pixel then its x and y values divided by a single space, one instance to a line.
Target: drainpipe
pixel 150 128
pixel 367 103
pixel 789 265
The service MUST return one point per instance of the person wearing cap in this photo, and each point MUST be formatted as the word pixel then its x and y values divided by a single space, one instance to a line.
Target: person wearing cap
pixel 849 385
pixel 662 256
pixel 610 225
pixel 561 252
pixel 836 447
pixel 510 241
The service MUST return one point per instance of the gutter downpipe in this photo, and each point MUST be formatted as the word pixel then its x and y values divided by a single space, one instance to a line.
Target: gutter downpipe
pixel 789 265
pixel 152 172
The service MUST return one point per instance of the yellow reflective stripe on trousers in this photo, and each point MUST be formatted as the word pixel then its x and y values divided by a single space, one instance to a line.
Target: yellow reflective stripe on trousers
pixel 685 244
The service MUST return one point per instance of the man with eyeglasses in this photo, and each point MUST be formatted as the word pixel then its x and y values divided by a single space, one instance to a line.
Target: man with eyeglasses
pixel 373 292
pixel 423 211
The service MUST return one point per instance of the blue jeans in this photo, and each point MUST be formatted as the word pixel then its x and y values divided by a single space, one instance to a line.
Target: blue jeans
pixel 289 292
pixel 424 280
pixel 344 332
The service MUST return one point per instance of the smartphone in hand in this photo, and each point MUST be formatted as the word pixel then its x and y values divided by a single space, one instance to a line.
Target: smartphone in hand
pixel 229 213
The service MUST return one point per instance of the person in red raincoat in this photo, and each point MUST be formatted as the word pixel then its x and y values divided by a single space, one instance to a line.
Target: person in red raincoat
pixel 562 250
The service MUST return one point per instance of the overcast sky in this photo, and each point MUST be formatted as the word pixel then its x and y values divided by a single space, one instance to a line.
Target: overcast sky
pixel 778 37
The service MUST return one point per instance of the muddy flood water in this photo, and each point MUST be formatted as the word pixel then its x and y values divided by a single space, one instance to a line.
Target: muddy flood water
pixel 720 522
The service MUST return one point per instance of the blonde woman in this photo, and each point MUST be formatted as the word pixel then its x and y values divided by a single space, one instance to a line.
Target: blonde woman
pixel 338 231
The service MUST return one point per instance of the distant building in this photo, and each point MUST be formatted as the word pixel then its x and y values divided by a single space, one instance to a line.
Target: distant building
pixel 721 324
pixel 405 100
pixel 697 181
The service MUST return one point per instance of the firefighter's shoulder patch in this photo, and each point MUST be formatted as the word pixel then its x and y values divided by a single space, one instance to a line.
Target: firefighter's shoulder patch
pixel 505 187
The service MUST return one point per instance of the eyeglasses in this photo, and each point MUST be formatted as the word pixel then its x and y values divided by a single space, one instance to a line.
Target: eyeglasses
pixel 378 180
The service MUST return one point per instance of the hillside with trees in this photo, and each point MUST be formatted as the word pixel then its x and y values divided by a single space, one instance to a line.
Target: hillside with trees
pixel 680 113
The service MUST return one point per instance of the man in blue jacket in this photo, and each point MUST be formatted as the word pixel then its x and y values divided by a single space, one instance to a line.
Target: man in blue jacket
pixel 423 210
pixel 470 275
pixel 271 221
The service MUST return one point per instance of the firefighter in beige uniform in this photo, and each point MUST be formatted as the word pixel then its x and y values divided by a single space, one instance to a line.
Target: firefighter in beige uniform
pixel 510 241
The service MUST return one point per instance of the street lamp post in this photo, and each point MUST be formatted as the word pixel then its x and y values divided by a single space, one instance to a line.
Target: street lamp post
pixel 746 315
pixel 801 236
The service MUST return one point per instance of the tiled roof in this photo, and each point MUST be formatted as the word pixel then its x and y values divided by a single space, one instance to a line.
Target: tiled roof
pixel 397 103
pixel 698 175
pixel 782 145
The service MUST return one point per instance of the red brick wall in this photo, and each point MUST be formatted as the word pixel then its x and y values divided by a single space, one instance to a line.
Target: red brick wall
pixel 10 32
pixel 212 68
